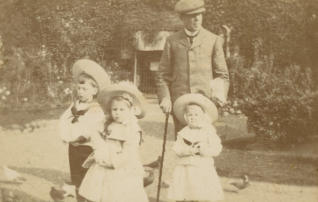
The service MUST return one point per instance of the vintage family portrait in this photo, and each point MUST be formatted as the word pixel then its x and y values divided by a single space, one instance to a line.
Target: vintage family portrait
pixel 158 101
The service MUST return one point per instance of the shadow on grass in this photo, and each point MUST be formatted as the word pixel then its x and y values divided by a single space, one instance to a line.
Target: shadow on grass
pixel 54 176
pixel 14 195
pixel 27 119
pixel 156 129
pixel 230 135
pixel 260 166
pixel 239 143
pixel 236 160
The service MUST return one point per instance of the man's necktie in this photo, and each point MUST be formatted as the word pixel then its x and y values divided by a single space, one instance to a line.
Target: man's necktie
pixel 191 38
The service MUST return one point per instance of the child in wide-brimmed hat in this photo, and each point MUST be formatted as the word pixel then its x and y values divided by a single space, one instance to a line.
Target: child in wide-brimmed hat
pixel 84 118
pixel 195 177
pixel 116 175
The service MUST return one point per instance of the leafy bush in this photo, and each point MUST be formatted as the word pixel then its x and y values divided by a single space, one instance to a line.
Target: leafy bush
pixel 281 103
pixel 32 82
pixel 41 40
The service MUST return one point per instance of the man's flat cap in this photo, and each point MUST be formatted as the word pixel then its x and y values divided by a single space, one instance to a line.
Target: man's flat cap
pixel 189 7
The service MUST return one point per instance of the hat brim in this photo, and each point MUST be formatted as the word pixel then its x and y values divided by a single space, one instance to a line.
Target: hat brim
pixel 107 94
pixel 196 11
pixel 92 69
pixel 184 100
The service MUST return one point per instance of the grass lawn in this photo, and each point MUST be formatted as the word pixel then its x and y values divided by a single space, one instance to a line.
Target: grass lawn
pixel 30 145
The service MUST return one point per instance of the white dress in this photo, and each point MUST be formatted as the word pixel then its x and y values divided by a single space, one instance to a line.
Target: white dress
pixel 195 177
pixel 117 175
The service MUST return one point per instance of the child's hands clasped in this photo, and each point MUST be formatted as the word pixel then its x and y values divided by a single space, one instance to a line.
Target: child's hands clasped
pixel 100 157
pixel 195 148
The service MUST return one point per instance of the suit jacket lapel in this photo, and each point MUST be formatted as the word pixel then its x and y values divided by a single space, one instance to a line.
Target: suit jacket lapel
pixel 183 39
pixel 198 40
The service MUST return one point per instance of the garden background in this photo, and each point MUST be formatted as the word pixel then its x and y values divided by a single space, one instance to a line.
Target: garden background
pixel 272 58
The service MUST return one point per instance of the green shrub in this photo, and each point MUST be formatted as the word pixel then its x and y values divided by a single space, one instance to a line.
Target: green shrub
pixel 281 103
pixel 33 82
pixel 41 40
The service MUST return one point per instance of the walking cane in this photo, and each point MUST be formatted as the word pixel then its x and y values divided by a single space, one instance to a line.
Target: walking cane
pixel 162 155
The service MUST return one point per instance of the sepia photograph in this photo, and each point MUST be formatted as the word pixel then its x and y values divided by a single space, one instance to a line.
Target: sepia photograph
pixel 159 101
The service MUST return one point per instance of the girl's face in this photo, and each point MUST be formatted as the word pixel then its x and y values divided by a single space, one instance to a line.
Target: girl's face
pixel 120 111
pixel 86 90
pixel 193 116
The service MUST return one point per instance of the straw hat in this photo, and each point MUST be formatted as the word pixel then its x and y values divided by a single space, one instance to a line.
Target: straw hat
pixel 207 105
pixel 188 7
pixel 124 89
pixel 94 70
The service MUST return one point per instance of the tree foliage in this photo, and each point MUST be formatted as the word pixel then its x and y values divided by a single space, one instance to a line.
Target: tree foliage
pixel 41 39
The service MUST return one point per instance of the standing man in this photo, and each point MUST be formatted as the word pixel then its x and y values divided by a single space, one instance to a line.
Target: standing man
pixel 191 59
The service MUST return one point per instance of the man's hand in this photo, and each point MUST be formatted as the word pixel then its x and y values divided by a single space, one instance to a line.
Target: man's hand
pixel 166 105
